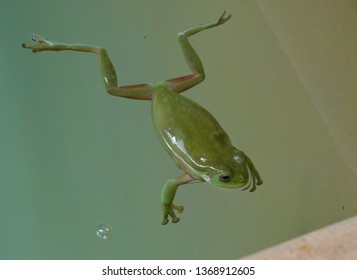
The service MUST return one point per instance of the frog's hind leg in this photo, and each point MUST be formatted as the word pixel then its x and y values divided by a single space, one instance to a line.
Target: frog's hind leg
pixel 168 195
pixel 109 77
pixel 181 84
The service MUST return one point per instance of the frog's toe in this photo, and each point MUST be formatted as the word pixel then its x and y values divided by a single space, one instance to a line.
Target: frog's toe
pixel 38 39
pixel 165 221
pixel 169 211
pixel 179 208
pixel 223 18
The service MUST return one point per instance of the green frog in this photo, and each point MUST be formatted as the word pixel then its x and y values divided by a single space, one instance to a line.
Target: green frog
pixel 189 133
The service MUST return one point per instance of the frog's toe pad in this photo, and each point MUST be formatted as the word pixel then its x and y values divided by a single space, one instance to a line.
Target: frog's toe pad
pixel 179 208
pixel 165 221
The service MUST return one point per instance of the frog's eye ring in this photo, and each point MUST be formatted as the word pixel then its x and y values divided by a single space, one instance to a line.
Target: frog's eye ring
pixel 224 178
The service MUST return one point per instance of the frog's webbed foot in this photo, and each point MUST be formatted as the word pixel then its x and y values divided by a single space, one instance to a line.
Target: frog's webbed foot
pixel 168 195
pixel 169 211
pixel 42 44
pixel 223 19
pixel 254 177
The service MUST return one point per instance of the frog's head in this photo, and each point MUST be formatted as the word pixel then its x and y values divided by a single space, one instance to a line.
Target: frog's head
pixel 237 172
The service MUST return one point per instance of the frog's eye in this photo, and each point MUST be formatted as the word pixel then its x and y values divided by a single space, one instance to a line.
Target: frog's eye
pixel 224 178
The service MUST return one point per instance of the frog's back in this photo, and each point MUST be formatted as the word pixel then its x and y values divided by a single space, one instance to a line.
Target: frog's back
pixel 186 129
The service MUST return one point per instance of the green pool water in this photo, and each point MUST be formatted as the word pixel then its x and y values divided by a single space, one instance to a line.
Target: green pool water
pixel 280 78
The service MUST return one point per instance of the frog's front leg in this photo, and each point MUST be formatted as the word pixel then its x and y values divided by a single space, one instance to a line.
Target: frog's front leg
pixel 193 61
pixel 109 77
pixel 168 195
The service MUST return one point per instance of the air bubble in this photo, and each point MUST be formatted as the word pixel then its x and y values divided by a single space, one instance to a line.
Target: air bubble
pixel 103 231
